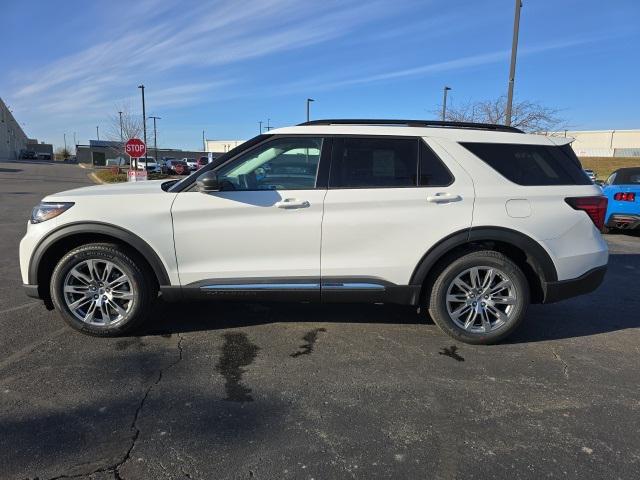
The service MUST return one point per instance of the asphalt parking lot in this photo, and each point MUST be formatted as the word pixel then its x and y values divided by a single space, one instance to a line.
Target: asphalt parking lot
pixel 226 391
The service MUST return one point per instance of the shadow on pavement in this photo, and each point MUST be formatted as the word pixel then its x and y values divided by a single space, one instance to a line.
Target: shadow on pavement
pixel 614 306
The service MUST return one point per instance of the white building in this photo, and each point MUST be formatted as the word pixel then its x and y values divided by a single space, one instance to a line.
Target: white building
pixel 12 138
pixel 222 146
pixel 604 143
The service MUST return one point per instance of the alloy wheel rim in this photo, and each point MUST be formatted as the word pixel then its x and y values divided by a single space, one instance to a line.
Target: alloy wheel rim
pixel 98 292
pixel 481 299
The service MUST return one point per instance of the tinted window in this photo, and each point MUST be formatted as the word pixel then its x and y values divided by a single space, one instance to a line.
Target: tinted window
pixel 433 173
pixel 374 163
pixel 627 177
pixel 282 164
pixel 532 164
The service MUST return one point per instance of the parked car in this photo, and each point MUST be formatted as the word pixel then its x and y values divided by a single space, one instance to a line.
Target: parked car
pixel 29 155
pixel 176 167
pixel 201 162
pixel 591 174
pixel 622 188
pixel 150 165
pixel 191 163
pixel 471 222
pixel 44 156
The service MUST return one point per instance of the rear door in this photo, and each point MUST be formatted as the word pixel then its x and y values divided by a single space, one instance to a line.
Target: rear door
pixel 390 200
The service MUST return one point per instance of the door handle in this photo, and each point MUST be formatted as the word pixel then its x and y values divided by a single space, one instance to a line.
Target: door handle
pixel 292 203
pixel 444 198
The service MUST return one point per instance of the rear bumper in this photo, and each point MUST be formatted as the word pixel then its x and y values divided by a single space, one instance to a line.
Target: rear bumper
pixel 627 221
pixel 586 283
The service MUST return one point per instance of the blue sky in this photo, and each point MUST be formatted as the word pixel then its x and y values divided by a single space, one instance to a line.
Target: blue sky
pixel 223 65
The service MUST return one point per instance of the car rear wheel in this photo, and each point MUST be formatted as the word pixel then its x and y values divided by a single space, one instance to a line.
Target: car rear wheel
pixel 479 298
pixel 101 290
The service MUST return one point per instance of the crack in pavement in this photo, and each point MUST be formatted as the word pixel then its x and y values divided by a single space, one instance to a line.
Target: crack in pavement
pixel 115 468
pixel 565 367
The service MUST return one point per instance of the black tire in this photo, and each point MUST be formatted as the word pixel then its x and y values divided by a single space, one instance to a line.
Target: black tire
pixel 446 276
pixel 142 287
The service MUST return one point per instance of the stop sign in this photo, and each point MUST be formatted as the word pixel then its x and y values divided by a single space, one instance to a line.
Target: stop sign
pixel 135 148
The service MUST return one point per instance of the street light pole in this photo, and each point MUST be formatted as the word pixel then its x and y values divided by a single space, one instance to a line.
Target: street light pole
pixel 64 135
pixel 309 100
pixel 75 144
pixel 155 136
pixel 121 136
pixel 144 127
pixel 444 103
pixel 260 126
pixel 204 143
pixel 97 132
pixel 512 67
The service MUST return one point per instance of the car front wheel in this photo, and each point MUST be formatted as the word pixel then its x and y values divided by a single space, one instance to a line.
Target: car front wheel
pixel 101 289
pixel 479 298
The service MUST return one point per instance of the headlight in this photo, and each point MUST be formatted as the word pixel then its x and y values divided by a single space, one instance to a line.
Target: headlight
pixel 48 210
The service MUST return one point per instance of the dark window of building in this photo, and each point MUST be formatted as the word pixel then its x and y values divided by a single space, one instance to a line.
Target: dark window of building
pixel 531 164
pixel 374 162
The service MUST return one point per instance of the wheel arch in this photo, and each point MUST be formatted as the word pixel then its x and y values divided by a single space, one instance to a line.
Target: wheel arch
pixel 59 241
pixel 527 253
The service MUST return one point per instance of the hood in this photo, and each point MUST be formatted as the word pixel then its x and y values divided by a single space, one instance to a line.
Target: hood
pixel 112 189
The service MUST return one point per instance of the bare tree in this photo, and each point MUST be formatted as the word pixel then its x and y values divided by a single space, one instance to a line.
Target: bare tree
pixel 62 153
pixel 131 125
pixel 526 115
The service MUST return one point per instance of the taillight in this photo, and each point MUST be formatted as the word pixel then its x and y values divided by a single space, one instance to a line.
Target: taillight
pixel 625 196
pixel 595 207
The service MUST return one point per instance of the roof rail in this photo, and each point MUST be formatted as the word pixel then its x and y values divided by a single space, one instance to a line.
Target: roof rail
pixel 415 123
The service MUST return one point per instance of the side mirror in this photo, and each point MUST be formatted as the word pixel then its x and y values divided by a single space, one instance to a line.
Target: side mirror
pixel 208 182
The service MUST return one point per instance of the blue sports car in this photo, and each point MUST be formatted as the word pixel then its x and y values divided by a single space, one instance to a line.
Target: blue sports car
pixel 622 189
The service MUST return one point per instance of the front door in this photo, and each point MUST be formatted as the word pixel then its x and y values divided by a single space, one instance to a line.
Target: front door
pixel 262 231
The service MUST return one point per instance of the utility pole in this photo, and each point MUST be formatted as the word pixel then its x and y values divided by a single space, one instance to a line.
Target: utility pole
pixel 204 143
pixel 144 127
pixel 444 103
pixel 309 100
pixel 121 137
pixel 155 136
pixel 64 135
pixel 268 127
pixel 260 126
pixel 512 67
pixel 97 132
pixel 75 144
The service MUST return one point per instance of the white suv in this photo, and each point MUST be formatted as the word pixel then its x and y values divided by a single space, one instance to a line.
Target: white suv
pixel 472 222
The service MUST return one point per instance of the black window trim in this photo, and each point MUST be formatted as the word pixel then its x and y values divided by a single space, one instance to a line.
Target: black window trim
pixel 418 139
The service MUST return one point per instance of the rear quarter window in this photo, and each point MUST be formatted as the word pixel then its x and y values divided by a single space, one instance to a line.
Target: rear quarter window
pixel 531 165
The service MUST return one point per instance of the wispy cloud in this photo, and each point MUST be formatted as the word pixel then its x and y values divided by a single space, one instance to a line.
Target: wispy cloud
pixel 215 33
pixel 462 63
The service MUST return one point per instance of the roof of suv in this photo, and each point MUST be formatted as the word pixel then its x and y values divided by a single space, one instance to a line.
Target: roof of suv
pixel 456 131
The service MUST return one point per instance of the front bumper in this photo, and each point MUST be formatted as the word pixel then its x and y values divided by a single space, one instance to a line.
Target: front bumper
pixel 624 221
pixel 31 291
pixel 563 289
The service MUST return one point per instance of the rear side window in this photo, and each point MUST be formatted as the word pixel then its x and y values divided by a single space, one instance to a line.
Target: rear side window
pixel 532 164
pixel 433 173
pixel 374 163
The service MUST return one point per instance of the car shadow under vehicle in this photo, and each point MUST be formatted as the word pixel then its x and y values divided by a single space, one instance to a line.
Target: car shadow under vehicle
pixel 613 306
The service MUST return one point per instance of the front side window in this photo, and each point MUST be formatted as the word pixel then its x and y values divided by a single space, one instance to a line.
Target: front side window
pixel 374 163
pixel 281 164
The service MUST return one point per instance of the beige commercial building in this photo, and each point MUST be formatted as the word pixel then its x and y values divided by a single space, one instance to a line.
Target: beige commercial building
pixel 604 143
pixel 222 146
